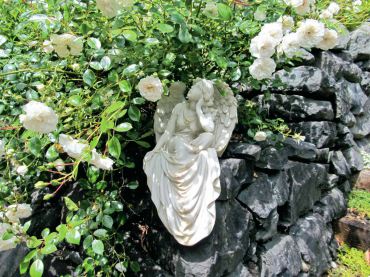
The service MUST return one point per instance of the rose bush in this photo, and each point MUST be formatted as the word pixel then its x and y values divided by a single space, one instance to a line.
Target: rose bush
pixel 77 83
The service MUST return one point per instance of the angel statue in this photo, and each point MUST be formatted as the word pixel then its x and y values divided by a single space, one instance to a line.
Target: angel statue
pixel 183 170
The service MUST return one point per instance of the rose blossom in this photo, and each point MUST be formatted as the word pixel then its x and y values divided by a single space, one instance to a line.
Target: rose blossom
pixel 150 88
pixel 259 15
pixel 71 146
pixel 262 46
pixel 39 118
pixel 100 162
pixel 22 170
pixel 67 44
pixel 329 40
pixel 260 136
pixel 334 8
pixel 262 68
pixel 310 32
pixel 287 22
pixel 290 45
pixel 275 30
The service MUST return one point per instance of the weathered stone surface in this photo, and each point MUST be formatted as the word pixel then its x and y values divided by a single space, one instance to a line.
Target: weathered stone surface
pixel 229 185
pixel 272 158
pixel 346 141
pixel 358 97
pixel 313 236
pixel 320 133
pixel 10 260
pixel 267 228
pixel 363 180
pixel 332 206
pixel 331 181
pixel 303 79
pixel 218 254
pixel 343 37
pixel 364 144
pixel 265 194
pixel 241 170
pixel 362 127
pixel 242 151
pixel 280 257
pixel 240 271
pixel 300 150
pixel 331 64
pixel 340 166
pixel 365 83
pixel 359 44
pixel 352 72
pixel 295 107
pixel 323 155
pixel 305 181
pixel 354 159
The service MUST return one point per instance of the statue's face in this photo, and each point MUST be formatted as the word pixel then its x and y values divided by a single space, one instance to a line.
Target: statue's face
pixel 195 93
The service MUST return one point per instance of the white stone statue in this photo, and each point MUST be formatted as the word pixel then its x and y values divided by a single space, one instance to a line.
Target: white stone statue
pixel 183 169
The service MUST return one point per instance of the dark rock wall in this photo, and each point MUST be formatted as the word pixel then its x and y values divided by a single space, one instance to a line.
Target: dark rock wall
pixel 278 200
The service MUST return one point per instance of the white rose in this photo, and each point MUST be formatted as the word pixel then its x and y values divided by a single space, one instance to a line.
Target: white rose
pixel 59 164
pixel 329 40
pixel 40 87
pixel 302 7
pixel 357 5
pixel 47 46
pixel 275 30
pixel 287 23
pixel 22 170
pixel 39 118
pixel 108 8
pixel 72 147
pixel 16 211
pixel 260 136
pixel 211 9
pixel 259 15
pixel 150 88
pixel 262 68
pixel 310 32
pixel 67 44
pixel 100 162
pixel 326 14
pixel 334 8
pixel 2 148
pixel 126 3
pixel 290 45
pixel 262 46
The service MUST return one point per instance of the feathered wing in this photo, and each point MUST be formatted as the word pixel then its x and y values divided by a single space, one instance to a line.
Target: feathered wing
pixel 226 116
pixel 165 106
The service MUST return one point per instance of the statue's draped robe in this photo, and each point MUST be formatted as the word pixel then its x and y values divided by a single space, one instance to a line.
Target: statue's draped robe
pixel 184 184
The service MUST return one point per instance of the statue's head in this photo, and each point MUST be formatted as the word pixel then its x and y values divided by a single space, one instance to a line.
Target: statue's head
pixel 201 89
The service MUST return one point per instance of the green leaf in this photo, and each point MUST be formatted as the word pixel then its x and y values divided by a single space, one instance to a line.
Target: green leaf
pixel 224 11
pixel 100 233
pixel 37 268
pixel 123 127
pixel 164 28
pixel 94 43
pixel 71 206
pixel 75 100
pixel 131 69
pixel 73 236
pixel 143 143
pixel 106 63
pixel 89 77
pixel 26 226
pixel 135 267
pixel 93 174
pixel 134 113
pixel 129 35
pixel 133 185
pixel 107 221
pixel 236 74
pixel 114 107
pixel 62 230
pixel 184 35
pixel 98 247
pixel 23 267
pixel 34 145
pixel 114 147
pixel 125 86
pixel 96 66
pixel 30 255
pixel 87 242
pixel 48 249
pixel 52 153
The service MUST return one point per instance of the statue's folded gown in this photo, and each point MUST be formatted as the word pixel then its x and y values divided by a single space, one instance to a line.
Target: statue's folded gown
pixel 184 183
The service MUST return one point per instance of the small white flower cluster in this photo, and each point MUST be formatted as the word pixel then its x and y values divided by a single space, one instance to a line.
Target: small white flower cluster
pixel 330 11
pixel 75 149
pixel 64 45
pixel 110 8
pixel 12 215
pixel 39 118
pixel 150 88
pixel 277 37
pixel 301 7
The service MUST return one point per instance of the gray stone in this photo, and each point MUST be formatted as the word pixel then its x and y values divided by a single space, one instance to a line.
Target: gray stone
pixel 359 44
pixel 305 181
pixel 323 155
pixel 10 260
pixel 365 83
pixel 352 72
pixel 354 159
pixel 346 141
pixel 240 271
pixel 267 228
pixel 331 64
pixel 295 107
pixel 332 206
pixel 345 187
pixel 265 194
pixel 217 255
pixel 364 144
pixel 339 164
pixel 300 150
pixel 241 170
pixel 362 127
pixel 358 98
pixel 229 185
pixel 320 133
pixel 313 237
pixel 280 257
pixel 343 37
pixel 306 79
pixel 272 158
pixel 331 181
pixel 242 151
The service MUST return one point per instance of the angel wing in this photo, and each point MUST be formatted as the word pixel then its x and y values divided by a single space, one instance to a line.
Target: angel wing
pixel 226 116
pixel 165 106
